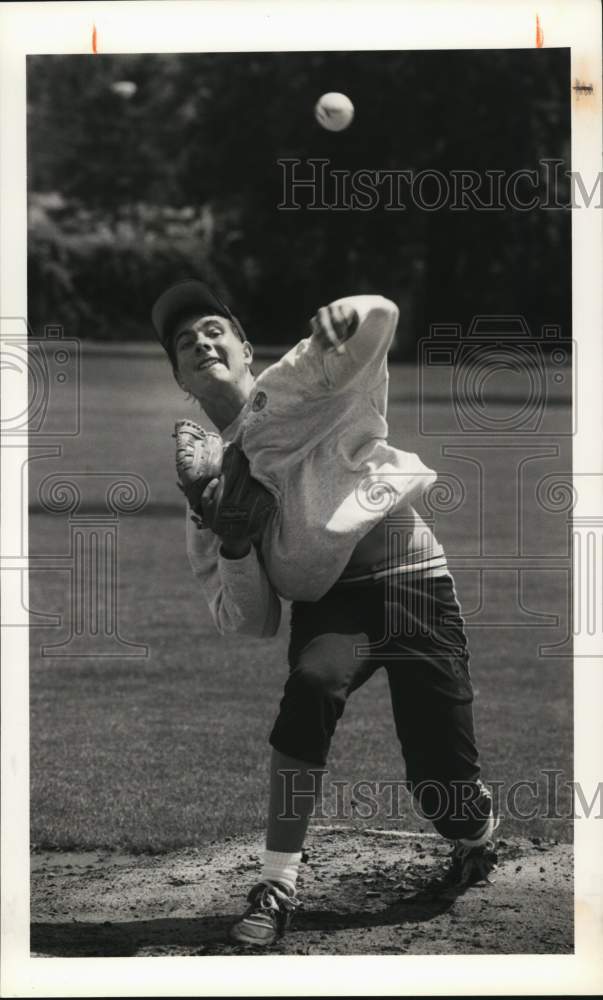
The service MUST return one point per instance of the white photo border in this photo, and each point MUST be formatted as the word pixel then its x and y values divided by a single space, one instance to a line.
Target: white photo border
pixel 325 25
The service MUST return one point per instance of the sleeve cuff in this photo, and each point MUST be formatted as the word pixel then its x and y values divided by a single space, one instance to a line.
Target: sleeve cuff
pixel 243 566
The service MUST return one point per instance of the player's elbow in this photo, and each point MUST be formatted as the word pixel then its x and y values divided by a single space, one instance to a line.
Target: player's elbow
pixel 252 628
pixel 386 311
pixel 382 320
pixel 376 313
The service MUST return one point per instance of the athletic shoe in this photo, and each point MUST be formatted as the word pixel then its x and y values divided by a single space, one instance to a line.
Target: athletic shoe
pixel 469 866
pixel 268 915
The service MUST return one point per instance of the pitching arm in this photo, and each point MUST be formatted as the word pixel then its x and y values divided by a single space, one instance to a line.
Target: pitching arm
pixel 347 349
pixel 238 592
pixel 353 336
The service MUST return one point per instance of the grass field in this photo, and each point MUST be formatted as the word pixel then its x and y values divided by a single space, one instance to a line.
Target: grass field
pixel 170 750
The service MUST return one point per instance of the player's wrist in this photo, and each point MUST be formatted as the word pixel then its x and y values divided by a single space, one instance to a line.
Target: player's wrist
pixel 235 549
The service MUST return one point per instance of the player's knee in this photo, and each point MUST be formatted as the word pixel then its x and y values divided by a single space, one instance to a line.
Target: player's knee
pixel 313 683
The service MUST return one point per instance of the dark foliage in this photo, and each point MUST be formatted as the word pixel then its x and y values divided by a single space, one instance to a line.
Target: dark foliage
pixel 183 177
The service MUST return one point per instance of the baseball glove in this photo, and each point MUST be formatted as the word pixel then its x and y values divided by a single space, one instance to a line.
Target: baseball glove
pixel 240 505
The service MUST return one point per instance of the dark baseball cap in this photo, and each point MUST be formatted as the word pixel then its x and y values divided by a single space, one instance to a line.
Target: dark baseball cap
pixel 187 297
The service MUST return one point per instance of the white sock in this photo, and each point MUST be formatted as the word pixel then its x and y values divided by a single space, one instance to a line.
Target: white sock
pixel 482 837
pixel 281 867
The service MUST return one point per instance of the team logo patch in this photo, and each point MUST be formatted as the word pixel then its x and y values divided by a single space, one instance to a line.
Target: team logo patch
pixel 259 402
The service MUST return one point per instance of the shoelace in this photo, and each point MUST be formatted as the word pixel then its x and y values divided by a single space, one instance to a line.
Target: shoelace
pixel 461 851
pixel 273 898
pixel 467 859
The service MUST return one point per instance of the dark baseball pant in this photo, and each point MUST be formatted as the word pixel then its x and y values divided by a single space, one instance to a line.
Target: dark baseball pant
pixel 411 626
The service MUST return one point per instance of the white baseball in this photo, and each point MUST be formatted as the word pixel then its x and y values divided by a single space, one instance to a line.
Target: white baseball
pixel 334 111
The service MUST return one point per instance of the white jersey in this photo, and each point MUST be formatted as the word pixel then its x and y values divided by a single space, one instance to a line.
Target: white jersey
pixel 314 430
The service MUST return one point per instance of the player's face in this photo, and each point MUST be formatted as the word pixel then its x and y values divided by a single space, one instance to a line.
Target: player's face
pixel 209 352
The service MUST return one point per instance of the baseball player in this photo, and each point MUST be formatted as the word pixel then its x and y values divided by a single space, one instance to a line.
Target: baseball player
pixel 310 433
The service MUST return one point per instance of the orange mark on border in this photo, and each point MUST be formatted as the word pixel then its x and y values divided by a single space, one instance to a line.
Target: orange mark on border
pixel 94 48
pixel 539 34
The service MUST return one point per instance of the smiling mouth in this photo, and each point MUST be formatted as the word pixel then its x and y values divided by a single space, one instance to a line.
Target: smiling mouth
pixel 208 363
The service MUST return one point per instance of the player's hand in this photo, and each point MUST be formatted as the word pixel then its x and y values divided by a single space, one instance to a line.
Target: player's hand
pixel 237 543
pixel 333 325
pixel 209 504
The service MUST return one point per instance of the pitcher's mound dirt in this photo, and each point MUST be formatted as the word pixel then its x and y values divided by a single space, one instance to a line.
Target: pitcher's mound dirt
pixel 352 886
